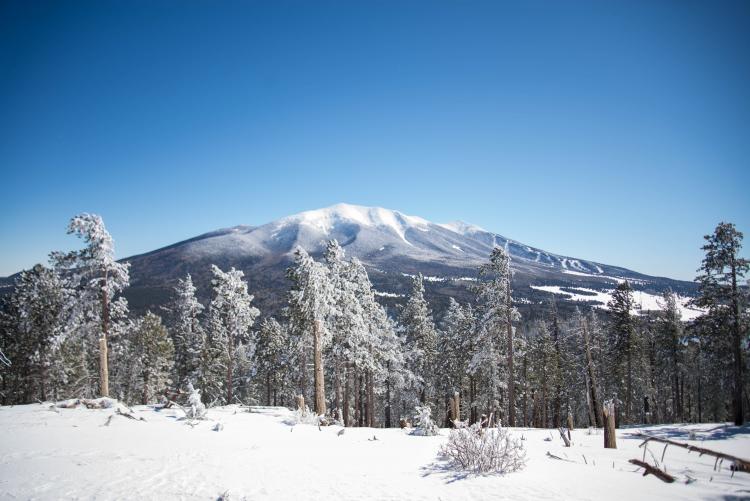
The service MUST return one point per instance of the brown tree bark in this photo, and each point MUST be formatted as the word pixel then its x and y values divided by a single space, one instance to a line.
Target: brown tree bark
pixel 103 362
pixel 511 377
pixel 610 439
pixel 591 374
pixel 320 396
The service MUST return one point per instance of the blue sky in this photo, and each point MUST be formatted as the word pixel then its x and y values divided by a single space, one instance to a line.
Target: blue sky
pixel 613 131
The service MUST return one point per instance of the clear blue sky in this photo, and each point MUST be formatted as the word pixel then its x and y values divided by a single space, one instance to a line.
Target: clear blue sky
pixel 614 131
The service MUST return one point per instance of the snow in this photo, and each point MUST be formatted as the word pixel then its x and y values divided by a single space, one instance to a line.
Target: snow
pixel 462 228
pixel 257 455
pixel 325 219
pixel 643 300
pixel 457 248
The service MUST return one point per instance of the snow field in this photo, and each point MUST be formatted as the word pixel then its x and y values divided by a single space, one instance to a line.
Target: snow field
pixel 72 454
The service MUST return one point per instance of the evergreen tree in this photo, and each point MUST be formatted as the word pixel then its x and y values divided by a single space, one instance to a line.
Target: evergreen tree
pixel 623 345
pixel 231 316
pixel 151 356
pixel 496 332
pixel 310 300
pixel 271 359
pixel 95 277
pixel 721 270
pixel 38 299
pixel 670 344
pixel 420 338
pixel 187 331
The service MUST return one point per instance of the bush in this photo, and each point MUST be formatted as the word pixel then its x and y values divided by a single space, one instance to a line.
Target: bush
pixel 423 424
pixel 484 450
pixel 195 408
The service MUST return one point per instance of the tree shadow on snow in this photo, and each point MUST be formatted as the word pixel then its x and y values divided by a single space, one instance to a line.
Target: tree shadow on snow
pixel 444 470
pixel 723 432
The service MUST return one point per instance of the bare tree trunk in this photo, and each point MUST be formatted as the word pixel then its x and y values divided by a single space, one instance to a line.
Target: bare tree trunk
pixel 337 390
pixel 357 403
pixel 268 388
pixel 739 412
pixel 591 373
pixel 388 400
pixel 557 402
pixel 103 365
pixel 347 386
pixel 370 401
pixel 511 377
pixel 320 396
pixel 301 403
pixel 610 439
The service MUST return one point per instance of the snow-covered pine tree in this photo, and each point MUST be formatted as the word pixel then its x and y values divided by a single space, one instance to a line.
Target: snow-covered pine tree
pixel 231 316
pixel 271 358
pixel 670 346
pixel 38 300
pixel 311 298
pixel 420 339
pixel 187 331
pixel 455 330
pixel 95 278
pixel 624 347
pixel 496 330
pixel 151 355
pixel 347 326
pixel 544 372
pixel 721 273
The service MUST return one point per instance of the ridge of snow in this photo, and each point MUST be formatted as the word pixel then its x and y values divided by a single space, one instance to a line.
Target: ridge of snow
pixel 462 228
pixel 324 219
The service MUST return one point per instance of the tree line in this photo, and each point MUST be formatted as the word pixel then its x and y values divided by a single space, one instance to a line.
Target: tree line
pixel 66 331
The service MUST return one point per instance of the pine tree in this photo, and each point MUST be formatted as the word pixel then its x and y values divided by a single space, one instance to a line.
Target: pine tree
pixel 420 338
pixel 623 344
pixel 231 316
pixel 496 316
pixel 39 298
pixel 151 355
pixel 453 362
pixel 721 270
pixel 187 331
pixel 271 359
pixel 670 344
pixel 310 299
pixel 96 278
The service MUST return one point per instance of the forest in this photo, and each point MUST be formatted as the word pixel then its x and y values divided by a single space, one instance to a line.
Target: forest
pixel 66 332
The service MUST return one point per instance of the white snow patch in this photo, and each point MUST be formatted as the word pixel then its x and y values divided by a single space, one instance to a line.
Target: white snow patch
pixel 47 455
pixel 643 300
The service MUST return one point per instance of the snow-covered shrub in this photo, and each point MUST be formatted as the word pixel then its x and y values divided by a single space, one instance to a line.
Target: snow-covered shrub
pixel 423 424
pixel 484 450
pixel 305 416
pixel 195 408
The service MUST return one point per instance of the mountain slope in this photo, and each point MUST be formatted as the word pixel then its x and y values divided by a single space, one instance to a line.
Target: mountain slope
pixel 392 246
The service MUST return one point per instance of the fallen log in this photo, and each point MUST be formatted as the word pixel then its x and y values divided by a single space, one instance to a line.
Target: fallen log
pixel 738 464
pixel 648 469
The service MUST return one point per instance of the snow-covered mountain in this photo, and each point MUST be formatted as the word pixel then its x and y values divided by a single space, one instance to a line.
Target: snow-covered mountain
pixel 392 245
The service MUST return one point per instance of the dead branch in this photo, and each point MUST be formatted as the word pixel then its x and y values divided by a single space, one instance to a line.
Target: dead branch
pixel 648 469
pixel 738 464
pixel 552 456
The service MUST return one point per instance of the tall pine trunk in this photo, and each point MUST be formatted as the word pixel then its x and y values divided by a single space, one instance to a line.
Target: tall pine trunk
pixel 511 378
pixel 320 397
pixel 591 375
pixel 739 412
pixel 103 361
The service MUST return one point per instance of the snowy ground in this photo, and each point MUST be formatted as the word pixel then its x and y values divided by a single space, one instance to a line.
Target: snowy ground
pixel 258 455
